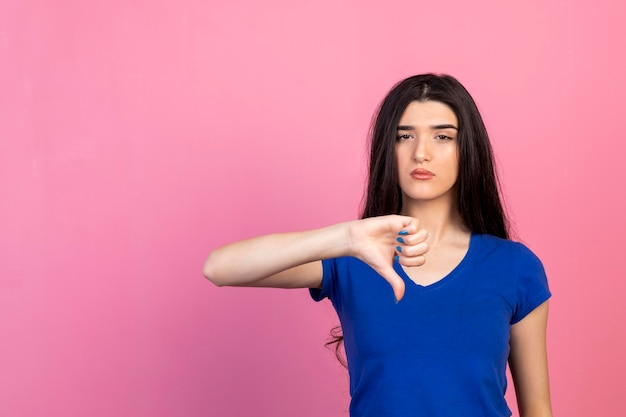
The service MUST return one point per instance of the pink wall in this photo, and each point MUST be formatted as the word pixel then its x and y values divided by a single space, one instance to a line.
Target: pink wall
pixel 135 136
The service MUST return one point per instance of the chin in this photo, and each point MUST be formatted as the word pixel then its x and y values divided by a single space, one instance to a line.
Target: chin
pixel 428 198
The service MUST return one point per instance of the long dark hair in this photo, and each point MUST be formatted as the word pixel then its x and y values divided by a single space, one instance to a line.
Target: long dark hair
pixel 478 198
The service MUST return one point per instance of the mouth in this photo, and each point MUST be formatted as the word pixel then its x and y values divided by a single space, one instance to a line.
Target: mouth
pixel 422 174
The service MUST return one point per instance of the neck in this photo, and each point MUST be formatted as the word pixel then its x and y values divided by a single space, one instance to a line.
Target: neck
pixel 440 218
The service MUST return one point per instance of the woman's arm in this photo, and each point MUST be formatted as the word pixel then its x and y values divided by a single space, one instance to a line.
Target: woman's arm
pixel 292 260
pixel 529 364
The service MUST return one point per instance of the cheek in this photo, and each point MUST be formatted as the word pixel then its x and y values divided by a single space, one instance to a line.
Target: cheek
pixel 400 160
pixel 454 157
pixel 455 169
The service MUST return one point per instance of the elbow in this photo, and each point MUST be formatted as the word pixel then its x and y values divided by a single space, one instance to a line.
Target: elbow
pixel 210 272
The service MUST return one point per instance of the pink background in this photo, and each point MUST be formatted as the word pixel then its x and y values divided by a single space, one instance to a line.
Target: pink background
pixel 136 136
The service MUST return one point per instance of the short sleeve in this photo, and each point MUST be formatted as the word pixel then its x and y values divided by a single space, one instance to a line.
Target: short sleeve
pixel 532 284
pixel 329 277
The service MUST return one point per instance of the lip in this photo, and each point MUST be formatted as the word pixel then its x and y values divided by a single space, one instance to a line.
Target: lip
pixel 422 174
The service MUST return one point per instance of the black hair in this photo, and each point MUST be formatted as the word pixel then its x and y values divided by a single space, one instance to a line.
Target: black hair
pixel 478 198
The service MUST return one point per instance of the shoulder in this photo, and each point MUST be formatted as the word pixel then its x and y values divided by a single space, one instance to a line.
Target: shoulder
pixel 515 270
pixel 506 250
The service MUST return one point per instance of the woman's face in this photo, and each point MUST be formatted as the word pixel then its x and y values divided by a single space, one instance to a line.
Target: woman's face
pixel 427 152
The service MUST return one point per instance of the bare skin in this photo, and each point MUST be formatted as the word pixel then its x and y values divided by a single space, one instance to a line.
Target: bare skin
pixel 293 260
pixel 432 246
pixel 427 140
pixel 528 361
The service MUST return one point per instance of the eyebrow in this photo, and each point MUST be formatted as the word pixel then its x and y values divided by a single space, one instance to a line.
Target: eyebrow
pixel 433 127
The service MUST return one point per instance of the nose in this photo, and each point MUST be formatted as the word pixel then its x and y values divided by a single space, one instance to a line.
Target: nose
pixel 421 152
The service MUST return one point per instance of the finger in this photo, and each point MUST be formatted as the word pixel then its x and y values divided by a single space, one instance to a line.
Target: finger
pixel 397 283
pixel 412 260
pixel 420 236
pixel 411 228
pixel 413 239
pixel 413 250
pixel 408 225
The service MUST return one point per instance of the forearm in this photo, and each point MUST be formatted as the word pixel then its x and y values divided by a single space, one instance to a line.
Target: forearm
pixel 542 409
pixel 249 261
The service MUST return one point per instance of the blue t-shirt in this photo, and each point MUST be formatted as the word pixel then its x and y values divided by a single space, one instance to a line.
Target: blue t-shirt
pixel 443 349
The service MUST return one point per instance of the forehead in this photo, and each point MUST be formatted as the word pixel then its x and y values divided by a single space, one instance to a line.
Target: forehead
pixel 428 113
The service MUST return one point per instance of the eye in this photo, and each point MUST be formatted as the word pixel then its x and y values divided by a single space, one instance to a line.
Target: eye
pixel 402 138
pixel 442 137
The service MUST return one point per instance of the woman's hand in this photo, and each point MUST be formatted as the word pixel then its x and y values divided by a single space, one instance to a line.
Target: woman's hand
pixel 378 240
pixel 292 260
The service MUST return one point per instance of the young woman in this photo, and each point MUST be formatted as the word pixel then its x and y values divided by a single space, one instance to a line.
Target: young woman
pixel 432 296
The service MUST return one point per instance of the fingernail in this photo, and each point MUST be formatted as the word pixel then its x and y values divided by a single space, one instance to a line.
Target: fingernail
pixel 403 232
pixel 399 239
pixel 396 258
pixel 395 299
pixel 398 249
